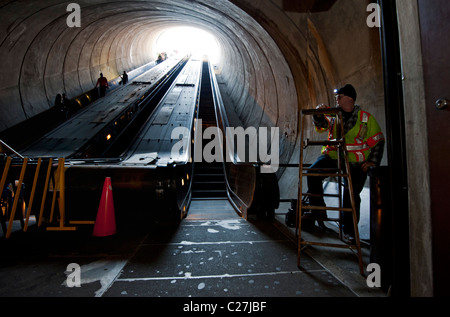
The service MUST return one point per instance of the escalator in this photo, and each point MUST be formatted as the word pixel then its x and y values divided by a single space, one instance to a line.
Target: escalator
pixel 226 188
pixel 209 178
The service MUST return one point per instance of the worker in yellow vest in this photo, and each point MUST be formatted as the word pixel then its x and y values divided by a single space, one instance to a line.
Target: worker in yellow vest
pixel 365 146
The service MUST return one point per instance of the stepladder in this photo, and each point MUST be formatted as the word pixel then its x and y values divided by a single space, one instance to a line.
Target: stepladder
pixel 341 173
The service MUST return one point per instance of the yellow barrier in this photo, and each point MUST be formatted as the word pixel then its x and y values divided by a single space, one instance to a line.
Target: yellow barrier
pixel 16 198
pixel 33 191
pixel 59 184
pixel 44 195
pixel 58 187
pixel 2 185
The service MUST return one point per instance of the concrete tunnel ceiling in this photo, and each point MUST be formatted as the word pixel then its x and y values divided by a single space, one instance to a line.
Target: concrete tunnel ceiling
pixel 274 60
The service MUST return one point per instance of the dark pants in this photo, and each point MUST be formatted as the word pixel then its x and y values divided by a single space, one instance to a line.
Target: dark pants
pixel 102 91
pixel 358 180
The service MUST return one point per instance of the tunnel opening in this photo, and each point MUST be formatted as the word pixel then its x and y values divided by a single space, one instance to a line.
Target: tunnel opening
pixel 180 41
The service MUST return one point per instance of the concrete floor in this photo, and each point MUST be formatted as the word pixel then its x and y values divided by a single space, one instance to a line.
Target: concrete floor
pixel 212 253
pixel 341 263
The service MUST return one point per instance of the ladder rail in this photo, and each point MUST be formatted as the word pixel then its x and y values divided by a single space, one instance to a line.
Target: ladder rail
pixel 300 194
pixel 351 194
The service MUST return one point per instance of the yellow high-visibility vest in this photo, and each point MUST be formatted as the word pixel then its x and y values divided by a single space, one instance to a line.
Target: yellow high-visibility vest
pixel 359 140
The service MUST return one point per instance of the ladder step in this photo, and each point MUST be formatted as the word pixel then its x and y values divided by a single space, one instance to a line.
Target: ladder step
pixel 325 174
pixel 335 245
pixel 323 195
pixel 325 170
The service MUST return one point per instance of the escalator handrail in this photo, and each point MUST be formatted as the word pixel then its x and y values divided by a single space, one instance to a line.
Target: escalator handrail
pixel 11 149
pixel 222 123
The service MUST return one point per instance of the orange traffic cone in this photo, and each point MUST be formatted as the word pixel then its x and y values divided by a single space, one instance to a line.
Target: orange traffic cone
pixel 105 224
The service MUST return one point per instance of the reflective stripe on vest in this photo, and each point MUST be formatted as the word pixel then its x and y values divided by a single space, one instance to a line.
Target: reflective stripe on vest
pixel 372 141
pixel 364 116
pixel 359 147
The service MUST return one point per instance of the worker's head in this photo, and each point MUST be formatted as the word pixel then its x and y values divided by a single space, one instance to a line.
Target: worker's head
pixel 345 97
pixel 101 74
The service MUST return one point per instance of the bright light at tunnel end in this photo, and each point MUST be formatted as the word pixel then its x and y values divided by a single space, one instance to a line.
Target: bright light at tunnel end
pixel 181 41
pixel 176 42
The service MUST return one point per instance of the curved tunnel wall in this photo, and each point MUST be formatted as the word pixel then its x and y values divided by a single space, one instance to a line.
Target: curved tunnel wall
pixel 274 61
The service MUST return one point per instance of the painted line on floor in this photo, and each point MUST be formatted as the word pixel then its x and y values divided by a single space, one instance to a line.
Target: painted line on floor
pixel 216 242
pixel 188 275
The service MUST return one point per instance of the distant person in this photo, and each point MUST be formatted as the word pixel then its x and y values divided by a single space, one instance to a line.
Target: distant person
pixel 124 78
pixel 103 83
pixel 66 105
pixel 7 199
pixel 161 58
pixel 58 101
pixel 59 105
